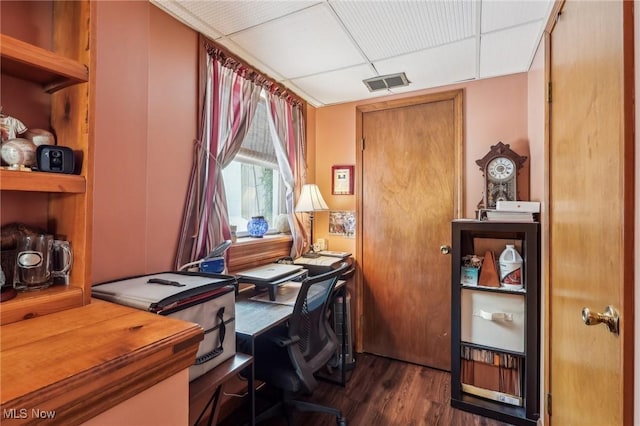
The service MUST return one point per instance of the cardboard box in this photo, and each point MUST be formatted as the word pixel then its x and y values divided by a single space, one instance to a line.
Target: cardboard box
pixel 469 276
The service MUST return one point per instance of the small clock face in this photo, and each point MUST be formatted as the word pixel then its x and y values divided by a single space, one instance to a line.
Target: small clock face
pixel 501 168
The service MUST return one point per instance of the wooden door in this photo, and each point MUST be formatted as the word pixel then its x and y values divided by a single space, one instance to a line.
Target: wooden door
pixel 408 192
pixel 591 213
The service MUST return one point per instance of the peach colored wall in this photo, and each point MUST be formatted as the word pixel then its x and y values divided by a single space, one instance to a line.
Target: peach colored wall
pixel 120 139
pixel 494 110
pixel 166 403
pixel 145 126
pixel 173 112
pixel 335 145
pixel 29 21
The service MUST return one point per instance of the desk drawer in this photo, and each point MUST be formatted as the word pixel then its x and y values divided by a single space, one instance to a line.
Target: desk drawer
pixel 493 319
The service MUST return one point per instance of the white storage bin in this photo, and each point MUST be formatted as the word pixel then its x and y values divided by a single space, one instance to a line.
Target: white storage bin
pixel 493 319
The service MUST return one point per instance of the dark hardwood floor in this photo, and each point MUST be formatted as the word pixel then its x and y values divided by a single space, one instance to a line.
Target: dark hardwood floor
pixel 384 392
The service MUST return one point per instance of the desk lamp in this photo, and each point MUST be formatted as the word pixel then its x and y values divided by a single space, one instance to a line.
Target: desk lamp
pixel 311 201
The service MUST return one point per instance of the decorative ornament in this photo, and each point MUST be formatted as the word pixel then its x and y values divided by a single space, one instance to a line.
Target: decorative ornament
pixel 40 137
pixel 10 127
pixel 257 226
pixel 18 152
pixel 282 224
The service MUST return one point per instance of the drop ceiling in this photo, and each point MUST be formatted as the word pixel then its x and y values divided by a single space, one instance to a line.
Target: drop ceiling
pixel 322 50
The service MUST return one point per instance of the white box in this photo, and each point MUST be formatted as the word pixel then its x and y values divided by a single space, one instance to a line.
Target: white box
pixel 519 206
pixel 493 319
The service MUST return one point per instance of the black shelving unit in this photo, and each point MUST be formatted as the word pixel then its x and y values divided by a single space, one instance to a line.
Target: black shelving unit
pixel 466 235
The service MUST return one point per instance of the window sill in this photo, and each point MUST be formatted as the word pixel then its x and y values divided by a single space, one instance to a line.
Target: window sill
pixel 248 252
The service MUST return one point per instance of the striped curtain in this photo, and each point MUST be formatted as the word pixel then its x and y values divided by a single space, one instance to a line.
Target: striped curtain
pixel 286 121
pixel 230 99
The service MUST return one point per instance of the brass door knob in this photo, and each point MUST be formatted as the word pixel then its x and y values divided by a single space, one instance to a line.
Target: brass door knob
pixel 445 249
pixel 610 317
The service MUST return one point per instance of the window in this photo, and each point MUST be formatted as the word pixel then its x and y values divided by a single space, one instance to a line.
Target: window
pixel 252 180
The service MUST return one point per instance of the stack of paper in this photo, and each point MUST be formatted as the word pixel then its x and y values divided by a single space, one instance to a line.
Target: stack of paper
pixel 341 254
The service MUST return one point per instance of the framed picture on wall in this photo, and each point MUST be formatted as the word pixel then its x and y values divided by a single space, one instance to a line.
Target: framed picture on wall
pixel 342 180
pixel 342 223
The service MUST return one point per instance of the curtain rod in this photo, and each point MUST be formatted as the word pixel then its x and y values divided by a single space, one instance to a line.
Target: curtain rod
pixel 232 61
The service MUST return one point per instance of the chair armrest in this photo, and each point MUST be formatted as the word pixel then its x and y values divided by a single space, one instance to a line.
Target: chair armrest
pixel 284 341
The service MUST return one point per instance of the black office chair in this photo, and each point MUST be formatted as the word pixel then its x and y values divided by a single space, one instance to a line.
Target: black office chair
pixel 288 357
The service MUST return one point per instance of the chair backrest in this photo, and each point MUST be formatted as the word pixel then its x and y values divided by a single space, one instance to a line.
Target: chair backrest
pixel 309 326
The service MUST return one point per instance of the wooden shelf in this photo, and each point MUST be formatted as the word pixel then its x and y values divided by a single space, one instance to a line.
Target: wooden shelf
pixel 522 291
pixel 14 180
pixel 36 303
pixel 32 63
pixel 61 203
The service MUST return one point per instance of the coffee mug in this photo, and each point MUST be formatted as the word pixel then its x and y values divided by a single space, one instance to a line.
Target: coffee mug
pixel 34 269
pixel 61 261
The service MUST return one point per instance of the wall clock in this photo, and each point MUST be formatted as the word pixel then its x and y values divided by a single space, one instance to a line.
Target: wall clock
pixel 500 168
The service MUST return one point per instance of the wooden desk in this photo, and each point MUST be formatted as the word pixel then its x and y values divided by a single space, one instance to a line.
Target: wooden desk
pixel 80 362
pixel 253 319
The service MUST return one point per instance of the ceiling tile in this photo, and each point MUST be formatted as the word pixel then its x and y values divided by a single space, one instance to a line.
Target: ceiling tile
pixel 509 51
pixel 339 86
pixel 229 17
pixel 301 44
pixel 390 28
pixel 434 67
pixel 500 14
pixel 184 14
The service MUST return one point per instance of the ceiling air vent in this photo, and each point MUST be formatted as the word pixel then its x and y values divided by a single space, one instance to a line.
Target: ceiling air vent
pixel 386 82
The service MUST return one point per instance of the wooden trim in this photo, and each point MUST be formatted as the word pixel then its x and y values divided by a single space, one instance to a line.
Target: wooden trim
pixel 629 211
pixel 458 174
pixel 250 252
pixel 544 236
pixel 358 279
pixel 553 16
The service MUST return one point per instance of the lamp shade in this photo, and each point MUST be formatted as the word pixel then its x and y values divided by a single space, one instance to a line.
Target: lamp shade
pixel 310 199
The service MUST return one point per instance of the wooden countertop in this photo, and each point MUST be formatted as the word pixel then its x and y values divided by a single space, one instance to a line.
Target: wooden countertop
pixel 80 362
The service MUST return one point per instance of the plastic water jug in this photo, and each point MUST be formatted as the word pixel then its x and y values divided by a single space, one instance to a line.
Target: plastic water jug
pixel 510 268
